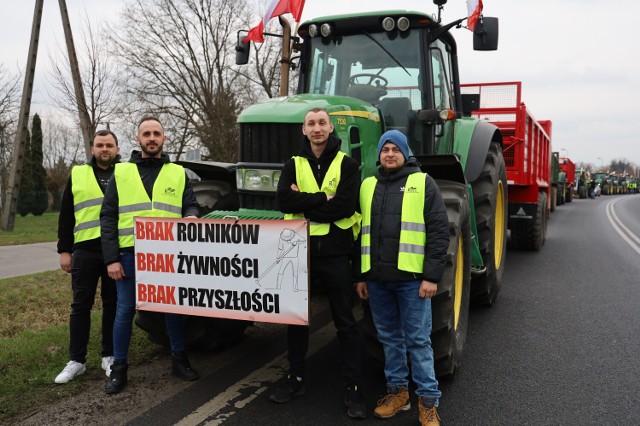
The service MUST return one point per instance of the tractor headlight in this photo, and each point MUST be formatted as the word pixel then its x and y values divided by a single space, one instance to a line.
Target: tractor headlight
pixel 257 179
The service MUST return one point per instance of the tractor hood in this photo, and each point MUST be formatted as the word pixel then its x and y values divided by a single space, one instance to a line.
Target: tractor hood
pixel 292 109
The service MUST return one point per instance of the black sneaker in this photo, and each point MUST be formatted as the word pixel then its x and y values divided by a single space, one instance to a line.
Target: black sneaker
pixel 290 387
pixel 354 402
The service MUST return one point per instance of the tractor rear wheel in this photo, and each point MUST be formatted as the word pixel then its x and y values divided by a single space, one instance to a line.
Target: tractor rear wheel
pixel 554 198
pixel 490 203
pixel 450 307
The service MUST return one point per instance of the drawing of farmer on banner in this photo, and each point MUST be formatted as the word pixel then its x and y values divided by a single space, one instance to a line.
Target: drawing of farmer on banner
pixel 287 256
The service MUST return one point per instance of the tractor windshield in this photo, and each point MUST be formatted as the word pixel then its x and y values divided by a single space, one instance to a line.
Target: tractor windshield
pixel 371 67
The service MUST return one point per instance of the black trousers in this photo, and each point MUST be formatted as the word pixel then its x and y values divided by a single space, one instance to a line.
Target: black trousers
pixel 86 268
pixel 333 275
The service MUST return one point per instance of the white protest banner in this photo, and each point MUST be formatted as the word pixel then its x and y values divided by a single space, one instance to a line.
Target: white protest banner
pixel 253 270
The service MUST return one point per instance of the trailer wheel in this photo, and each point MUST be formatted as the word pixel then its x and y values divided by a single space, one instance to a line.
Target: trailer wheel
pixel 450 307
pixel 490 202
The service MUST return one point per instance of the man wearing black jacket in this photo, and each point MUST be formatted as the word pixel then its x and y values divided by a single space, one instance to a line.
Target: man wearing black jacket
pixel 148 185
pixel 403 252
pixel 81 253
pixel 321 185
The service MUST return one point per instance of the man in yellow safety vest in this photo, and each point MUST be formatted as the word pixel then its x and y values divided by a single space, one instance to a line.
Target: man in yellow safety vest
pixel 321 185
pixel 81 253
pixel 148 185
pixel 403 251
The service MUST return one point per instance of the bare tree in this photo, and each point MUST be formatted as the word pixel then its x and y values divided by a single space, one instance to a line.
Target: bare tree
pixel 63 149
pixel 9 98
pixel 99 74
pixel 178 61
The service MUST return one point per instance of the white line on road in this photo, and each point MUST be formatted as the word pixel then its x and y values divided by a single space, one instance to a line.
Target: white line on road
pixel 620 228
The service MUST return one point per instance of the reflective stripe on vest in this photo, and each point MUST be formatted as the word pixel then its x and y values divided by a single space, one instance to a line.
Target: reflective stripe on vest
pixel 413 235
pixel 87 201
pixel 133 199
pixel 306 182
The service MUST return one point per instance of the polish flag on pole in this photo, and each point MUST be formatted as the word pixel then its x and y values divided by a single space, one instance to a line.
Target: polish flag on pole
pixel 276 8
pixel 474 9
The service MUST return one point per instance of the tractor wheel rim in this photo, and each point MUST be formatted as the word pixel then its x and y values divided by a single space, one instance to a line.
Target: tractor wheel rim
pixel 498 240
pixel 459 282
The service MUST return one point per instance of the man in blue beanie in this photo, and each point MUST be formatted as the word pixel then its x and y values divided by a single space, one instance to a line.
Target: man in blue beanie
pixel 403 251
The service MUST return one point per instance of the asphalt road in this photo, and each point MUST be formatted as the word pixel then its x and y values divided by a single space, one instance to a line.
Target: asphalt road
pixel 27 259
pixel 560 347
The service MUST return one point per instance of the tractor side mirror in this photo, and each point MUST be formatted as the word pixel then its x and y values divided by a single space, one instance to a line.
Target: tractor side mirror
pixel 242 50
pixel 485 35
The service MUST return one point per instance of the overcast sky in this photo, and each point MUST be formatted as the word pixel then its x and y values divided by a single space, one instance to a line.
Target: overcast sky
pixel 578 59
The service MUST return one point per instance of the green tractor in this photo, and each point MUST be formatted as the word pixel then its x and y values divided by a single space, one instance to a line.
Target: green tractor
pixel 373 72
pixel 559 190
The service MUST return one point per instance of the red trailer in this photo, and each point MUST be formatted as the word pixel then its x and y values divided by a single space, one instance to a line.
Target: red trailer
pixel 527 154
pixel 569 169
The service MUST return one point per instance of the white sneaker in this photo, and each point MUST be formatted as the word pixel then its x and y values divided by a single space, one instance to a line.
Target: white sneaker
pixel 72 370
pixel 107 362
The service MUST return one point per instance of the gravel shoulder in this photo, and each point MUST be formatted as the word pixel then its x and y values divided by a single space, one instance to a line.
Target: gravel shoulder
pixel 149 385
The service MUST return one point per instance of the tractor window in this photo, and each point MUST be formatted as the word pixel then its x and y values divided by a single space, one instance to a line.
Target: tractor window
pixel 441 87
pixel 370 67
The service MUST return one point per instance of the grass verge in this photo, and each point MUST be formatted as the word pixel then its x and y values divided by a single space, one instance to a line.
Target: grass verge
pixel 34 341
pixel 31 229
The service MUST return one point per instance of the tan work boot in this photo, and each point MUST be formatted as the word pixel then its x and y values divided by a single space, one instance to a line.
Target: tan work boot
pixel 391 403
pixel 428 415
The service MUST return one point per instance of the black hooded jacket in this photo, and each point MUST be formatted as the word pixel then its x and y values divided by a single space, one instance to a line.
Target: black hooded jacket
pixel 149 169
pixel 67 218
pixel 386 208
pixel 314 206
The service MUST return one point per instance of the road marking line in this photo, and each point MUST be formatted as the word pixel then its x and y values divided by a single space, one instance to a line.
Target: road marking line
pixel 226 403
pixel 620 228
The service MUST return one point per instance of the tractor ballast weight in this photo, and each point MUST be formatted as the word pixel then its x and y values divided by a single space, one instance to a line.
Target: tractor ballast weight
pixel 373 72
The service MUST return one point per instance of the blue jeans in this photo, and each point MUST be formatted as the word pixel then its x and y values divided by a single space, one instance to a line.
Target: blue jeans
pixel 126 309
pixel 403 323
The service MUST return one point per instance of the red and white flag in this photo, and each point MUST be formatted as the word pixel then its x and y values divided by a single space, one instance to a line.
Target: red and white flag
pixel 474 9
pixel 276 8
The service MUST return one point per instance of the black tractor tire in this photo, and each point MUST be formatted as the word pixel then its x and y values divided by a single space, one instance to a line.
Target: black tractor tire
pixel 554 198
pixel 200 332
pixel 531 234
pixel 450 307
pixel 490 203
pixel 605 190
pixel 569 195
pixel 582 192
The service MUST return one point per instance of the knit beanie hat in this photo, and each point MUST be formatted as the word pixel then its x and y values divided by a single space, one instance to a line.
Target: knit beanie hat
pixel 397 138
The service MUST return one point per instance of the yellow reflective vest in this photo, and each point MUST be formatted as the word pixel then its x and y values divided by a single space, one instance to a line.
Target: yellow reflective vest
pixel 306 182
pixel 87 201
pixel 166 200
pixel 413 235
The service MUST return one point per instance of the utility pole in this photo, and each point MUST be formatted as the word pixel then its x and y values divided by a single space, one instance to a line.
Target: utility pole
pixel 13 188
pixel 85 121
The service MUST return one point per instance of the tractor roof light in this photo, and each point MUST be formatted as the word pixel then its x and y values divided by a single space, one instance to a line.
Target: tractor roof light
pixel 403 23
pixel 388 23
pixel 313 30
pixel 325 30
